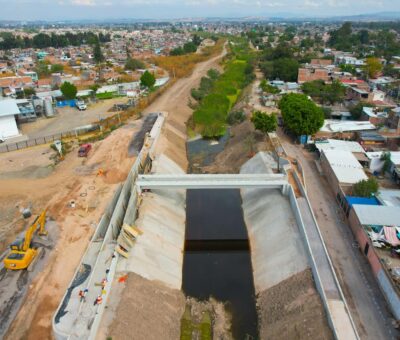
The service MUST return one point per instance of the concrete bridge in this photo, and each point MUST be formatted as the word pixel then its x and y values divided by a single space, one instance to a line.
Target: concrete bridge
pixel 211 181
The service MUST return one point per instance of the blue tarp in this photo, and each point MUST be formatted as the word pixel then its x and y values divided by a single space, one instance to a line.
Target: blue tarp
pixel 62 103
pixel 362 200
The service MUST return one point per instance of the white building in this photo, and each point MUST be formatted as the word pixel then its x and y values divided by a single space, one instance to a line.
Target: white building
pixel 342 170
pixel 8 125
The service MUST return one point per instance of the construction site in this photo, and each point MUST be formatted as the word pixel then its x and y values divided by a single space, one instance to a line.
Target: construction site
pixel 125 253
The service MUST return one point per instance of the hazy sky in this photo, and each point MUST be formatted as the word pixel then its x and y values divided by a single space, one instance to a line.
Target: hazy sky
pixel 163 9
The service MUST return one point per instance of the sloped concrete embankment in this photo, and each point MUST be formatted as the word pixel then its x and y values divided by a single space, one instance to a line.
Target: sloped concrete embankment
pixel 288 303
pixel 80 318
pixel 156 259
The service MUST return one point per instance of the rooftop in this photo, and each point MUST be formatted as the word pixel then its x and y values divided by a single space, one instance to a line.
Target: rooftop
pixel 8 107
pixel 345 166
pixel 389 197
pixel 379 215
pixel 348 125
pixel 335 144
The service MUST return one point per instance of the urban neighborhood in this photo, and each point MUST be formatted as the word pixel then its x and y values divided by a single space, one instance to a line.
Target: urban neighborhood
pixel 208 173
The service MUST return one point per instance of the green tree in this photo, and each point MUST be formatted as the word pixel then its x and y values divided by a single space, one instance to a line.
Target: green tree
pixel 341 38
pixel 213 74
pixel 373 67
pixel 134 64
pixel 284 69
pixel 268 88
pixel 348 68
pixel 97 53
pixel 325 93
pixel 29 92
pixel 147 80
pixel 68 90
pixel 57 68
pixel 300 114
pixel 366 188
pixel 189 47
pixel 356 110
pixel 264 122
pixel 42 69
pixel 386 158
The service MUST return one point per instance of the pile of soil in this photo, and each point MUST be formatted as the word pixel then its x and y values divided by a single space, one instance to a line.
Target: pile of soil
pixel 147 310
pixel 293 310
pixel 243 143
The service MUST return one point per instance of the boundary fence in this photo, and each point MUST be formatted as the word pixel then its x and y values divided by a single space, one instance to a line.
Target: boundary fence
pixel 48 139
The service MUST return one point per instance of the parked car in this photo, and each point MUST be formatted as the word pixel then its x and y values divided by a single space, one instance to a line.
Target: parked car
pixel 84 150
pixel 80 104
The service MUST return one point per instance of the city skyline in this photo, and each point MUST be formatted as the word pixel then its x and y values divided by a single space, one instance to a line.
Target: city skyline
pixel 172 9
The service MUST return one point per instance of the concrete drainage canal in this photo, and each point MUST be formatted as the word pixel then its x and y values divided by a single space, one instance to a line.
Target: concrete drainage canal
pixel 217 265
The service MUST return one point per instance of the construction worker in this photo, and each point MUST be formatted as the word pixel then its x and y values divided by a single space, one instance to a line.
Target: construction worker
pixel 82 295
pixel 98 300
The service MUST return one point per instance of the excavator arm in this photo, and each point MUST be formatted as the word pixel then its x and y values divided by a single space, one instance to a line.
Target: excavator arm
pixel 40 222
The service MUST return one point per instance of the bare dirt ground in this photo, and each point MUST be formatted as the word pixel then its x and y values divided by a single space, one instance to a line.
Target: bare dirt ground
pixel 73 179
pixel 293 310
pixel 147 310
pixel 69 118
pixel 242 145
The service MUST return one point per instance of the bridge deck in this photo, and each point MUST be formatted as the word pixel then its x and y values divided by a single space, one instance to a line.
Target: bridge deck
pixel 211 181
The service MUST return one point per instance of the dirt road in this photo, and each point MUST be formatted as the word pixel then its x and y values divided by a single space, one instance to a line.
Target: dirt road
pixel 366 302
pixel 175 99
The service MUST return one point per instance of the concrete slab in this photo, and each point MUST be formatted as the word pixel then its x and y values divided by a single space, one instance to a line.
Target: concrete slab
pixel 341 320
pixel 275 240
pixel 328 281
pixel 158 252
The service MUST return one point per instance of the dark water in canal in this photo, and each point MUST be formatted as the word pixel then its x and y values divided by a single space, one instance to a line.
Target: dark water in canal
pixel 217 259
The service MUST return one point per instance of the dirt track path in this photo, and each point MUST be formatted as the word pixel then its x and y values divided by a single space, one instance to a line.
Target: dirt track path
pixel 175 99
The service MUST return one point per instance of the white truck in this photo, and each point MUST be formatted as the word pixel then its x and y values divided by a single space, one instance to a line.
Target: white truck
pixel 80 104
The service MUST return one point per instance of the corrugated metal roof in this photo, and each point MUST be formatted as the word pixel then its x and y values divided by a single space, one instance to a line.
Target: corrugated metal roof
pixel 345 165
pixel 8 107
pixel 335 144
pixel 378 215
pixel 389 197
pixel 346 125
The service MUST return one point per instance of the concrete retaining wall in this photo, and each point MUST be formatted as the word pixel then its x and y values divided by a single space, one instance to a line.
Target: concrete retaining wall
pixel 75 319
pixel 326 280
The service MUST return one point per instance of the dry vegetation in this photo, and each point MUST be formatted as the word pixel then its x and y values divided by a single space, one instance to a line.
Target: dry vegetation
pixel 183 65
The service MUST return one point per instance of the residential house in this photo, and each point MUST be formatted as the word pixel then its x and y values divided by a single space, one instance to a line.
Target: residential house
pixel 375 228
pixel 342 170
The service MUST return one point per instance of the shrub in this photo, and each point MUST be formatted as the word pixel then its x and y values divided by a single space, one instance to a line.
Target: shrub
pixel 235 117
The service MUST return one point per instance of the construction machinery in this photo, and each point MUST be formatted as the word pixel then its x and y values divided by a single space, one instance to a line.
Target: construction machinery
pixel 22 252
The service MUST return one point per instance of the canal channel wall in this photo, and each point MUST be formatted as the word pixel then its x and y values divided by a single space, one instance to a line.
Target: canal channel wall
pixel 275 240
pixel 78 319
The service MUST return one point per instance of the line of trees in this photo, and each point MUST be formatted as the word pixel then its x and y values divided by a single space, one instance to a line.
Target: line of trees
pixel 325 93
pixel 279 63
pixel 383 41
pixel 189 47
pixel 43 40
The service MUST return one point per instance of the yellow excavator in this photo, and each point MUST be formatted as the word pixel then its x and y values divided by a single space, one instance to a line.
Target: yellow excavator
pixel 22 253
